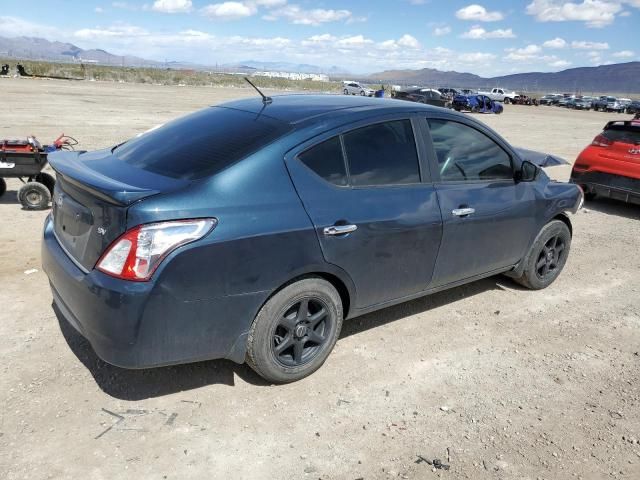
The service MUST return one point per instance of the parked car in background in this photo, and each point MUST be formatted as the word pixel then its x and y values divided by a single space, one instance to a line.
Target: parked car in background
pixel 610 165
pixel 522 99
pixel 579 104
pixel 608 104
pixel 449 92
pixel 633 107
pixel 476 103
pixel 500 95
pixel 356 88
pixel 251 229
pixel 427 96
pixel 550 99
pixel 564 101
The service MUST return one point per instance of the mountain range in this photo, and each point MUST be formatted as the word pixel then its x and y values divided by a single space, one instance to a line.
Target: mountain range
pixel 619 78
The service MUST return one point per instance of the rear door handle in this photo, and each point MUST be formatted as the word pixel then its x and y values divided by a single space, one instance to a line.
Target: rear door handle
pixel 339 229
pixel 463 212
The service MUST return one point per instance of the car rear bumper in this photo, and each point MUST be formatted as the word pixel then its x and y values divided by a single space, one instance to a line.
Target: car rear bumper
pixel 608 185
pixel 142 324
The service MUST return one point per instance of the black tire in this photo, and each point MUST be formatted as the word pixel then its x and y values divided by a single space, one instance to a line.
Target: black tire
pixel 589 196
pixel 547 256
pixel 362 93
pixel 47 180
pixel 506 101
pixel 3 186
pixel 345 91
pixel 283 320
pixel 34 196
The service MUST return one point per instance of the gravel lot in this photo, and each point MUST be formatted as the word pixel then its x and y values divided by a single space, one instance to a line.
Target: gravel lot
pixel 496 381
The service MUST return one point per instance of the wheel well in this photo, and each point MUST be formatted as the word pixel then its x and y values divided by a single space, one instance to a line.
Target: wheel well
pixel 563 218
pixel 338 284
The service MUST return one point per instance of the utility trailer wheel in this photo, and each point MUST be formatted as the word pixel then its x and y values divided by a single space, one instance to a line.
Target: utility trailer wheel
pixel 47 180
pixel 34 196
pixel 3 186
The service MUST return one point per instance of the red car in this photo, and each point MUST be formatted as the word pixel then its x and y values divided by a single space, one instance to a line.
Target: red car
pixel 610 166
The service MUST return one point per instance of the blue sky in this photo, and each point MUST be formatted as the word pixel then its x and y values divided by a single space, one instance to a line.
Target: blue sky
pixel 487 38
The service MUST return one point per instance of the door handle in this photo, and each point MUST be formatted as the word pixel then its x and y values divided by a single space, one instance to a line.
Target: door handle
pixel 339 229
pixel 463 212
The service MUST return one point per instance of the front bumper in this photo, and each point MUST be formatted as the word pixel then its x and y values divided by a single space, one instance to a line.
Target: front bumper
pixel 618 187
pixel 144 324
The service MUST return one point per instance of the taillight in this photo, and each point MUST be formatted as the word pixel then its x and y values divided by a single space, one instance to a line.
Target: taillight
pixel 601 141
pixel 139 251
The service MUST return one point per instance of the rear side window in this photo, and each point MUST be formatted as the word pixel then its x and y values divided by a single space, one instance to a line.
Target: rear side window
pixel 382 154
pixel 465 154
pixel 326 160
pixel 200 144
pixel 623 134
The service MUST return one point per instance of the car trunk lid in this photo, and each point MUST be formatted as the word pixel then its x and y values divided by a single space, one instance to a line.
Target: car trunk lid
pixel 92 194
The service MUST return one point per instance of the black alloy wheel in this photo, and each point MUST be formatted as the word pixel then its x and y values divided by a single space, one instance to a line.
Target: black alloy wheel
pixel 301 332
pixel 550 257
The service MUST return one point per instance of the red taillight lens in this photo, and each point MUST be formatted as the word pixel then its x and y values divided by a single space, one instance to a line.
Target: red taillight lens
pixel 601 141
pixel 139 251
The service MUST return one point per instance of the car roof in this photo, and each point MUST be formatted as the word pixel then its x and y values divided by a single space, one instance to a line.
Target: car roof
pixel 298 109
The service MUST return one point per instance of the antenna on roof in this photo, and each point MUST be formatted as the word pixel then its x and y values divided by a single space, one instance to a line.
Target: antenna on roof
pixel 266 100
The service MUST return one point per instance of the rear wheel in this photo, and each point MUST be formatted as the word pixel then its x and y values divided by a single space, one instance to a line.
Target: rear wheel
pixel 34 196
pixel 295 331
pixel 3 186
pixel 507 101
pixel 547 256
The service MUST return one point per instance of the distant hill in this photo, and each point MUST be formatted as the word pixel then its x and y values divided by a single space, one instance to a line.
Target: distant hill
pixel 620 77
pixel 32 48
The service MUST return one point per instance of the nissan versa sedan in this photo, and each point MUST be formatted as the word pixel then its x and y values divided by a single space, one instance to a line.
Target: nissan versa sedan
pixel 251 229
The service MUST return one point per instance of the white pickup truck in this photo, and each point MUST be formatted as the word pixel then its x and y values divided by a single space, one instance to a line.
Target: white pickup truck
pixel 500 95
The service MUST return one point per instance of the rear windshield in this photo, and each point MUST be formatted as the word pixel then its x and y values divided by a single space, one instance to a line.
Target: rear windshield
pixel 200 144
pixel 622 133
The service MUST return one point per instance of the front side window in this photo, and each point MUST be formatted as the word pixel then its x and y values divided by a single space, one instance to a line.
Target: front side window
pixel 382 154
pixel 326 160
pixel 465 154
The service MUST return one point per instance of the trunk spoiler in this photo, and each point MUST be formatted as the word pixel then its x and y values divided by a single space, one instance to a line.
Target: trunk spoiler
pixel 74 171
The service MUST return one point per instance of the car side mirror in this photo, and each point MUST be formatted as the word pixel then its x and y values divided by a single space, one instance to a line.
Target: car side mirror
pixel 528 172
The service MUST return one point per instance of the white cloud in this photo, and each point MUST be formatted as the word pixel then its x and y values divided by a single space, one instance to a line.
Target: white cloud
pixel 624 54
pixel 228 10
pixel 582 45
pixel 556 43
pixel 125 6
pixel 317 16
pixel 594 13
pixel 98 10
pixel 478 13
pixel 120 30
pixel 408 41
pixel 478 33
pixel 441 31
pixel 559 64
pixel 354 41
pixel 477 57
pixel 172 6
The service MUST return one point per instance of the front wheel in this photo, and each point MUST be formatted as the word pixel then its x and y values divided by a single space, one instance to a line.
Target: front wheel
pixel 507 101
pixel 3 186
pixel 295 331
pixel 362 93
pixel 345 91
pixel 547 256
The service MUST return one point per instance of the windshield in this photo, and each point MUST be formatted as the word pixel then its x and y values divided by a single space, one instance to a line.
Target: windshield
pixel 200 144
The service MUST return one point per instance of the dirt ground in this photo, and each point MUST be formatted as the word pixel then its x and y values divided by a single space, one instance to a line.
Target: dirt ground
pixel 496 381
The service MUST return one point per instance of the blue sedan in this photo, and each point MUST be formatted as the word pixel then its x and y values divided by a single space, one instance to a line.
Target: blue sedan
pixel 477 104
pixel 251 229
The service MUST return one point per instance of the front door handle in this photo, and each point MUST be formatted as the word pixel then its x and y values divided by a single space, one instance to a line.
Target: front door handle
pixel 463 212
pixel 339 229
